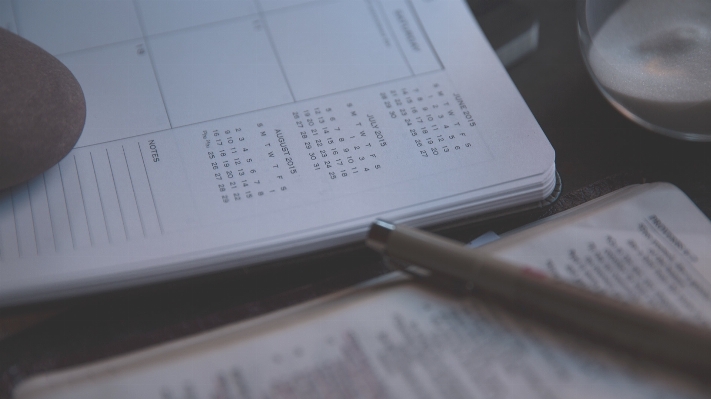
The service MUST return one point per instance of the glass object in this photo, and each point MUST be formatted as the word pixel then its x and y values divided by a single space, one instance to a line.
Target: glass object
pixel 652 60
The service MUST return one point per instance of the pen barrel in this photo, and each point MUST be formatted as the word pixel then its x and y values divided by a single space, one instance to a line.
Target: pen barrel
pixel 626 326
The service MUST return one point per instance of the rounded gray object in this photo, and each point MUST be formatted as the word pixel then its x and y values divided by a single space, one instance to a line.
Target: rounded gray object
pixel 42 110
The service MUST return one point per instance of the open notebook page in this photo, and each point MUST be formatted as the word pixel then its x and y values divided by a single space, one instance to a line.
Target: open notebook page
pixel 224 133
pixel 397 339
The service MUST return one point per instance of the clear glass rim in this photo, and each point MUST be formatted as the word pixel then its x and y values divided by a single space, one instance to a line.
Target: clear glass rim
pixel 584 41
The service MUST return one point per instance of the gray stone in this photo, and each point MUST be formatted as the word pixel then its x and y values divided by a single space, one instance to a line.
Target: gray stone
pixel 42 110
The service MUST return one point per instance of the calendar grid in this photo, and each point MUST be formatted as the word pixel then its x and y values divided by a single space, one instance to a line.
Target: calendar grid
pixel 335 142
pixel 424 32
pixel 141 23
pixel 276 53
pixel 392 33
pixel 155 100
pixel 357 89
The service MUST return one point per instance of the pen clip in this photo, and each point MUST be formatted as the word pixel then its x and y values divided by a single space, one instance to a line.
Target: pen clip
pixel 428 276
pixel 396 264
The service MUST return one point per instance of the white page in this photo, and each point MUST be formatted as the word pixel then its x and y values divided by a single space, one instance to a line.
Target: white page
pixel 404 342
pixel 227 133
pixel 401 340
pixel 650 249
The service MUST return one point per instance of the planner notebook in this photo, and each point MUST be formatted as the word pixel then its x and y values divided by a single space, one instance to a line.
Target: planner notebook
pixel 221 134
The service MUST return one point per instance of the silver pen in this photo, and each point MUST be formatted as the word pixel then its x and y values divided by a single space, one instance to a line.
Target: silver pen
pixel 666 340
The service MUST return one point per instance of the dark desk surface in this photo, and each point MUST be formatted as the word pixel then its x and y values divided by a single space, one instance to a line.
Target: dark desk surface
pixel 597 151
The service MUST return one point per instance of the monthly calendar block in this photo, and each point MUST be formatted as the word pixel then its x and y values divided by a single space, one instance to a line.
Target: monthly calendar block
pixel 161 16
pixel 270 5
pixel 61 26
pixel 122 95
pixel 217 70
pixel 349 48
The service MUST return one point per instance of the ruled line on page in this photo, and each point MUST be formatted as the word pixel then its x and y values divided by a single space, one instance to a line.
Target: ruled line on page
pixel 133 192
pixel 160 224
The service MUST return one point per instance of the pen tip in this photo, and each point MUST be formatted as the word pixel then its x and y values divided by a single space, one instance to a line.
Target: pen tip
pixel 378 235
